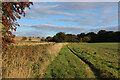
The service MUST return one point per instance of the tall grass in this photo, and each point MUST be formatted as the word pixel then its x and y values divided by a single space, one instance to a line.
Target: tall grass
pixel 28 61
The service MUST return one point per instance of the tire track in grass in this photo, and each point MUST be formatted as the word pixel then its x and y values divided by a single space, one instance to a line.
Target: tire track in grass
pixel 91 66
pixel 67 65
pixel 53 50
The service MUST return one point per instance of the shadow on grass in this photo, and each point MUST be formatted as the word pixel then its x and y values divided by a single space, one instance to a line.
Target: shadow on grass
pixel 97 72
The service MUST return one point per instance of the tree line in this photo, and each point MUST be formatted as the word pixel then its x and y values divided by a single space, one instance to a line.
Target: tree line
pixel 101 36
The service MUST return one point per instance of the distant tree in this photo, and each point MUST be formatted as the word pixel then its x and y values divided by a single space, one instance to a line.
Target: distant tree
pixel 92 36
pixel 110 36
pixel 71 38
pixel 107 36
pixel 86 39
pixel 80 40
pixel 102 32
pixel 30 39
pixel 48 38
pixel 101 35
pixel 42 39
pixel 59 37
pixel 24 38
pixel 117 36
pixel 79 36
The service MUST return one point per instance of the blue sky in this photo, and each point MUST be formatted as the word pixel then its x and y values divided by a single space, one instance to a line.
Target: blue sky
pixel 48 18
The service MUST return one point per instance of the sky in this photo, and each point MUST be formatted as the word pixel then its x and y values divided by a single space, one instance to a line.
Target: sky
pixel 48 18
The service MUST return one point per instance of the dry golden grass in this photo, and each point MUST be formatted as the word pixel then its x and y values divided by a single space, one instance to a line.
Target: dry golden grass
pixel 32 43
pixel 19 38
pixel 28 61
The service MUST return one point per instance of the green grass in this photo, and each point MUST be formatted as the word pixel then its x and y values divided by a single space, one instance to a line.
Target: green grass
pixel 93 60
pixel 102 56
pixel 108 46
pixel 67 65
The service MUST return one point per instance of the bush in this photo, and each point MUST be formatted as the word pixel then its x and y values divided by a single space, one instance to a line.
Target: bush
pixel 30 39
pixel 42 39
pixel 24 38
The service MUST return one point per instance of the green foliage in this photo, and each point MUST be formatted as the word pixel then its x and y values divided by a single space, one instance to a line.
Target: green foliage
pixel 59 37
pixel 86 39
pixel 71 38
pixel 48 38
pixel 101 36
pixel 62 37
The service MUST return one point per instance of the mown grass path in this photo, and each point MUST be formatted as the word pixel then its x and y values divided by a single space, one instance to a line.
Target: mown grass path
pixel 67 65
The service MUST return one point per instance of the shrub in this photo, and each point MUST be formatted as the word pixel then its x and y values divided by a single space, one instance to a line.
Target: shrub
pixel 24 38
pixel 30 39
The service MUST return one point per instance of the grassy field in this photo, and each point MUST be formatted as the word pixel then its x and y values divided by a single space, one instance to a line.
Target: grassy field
pixel 58 60
pixel 67 65
pixel 28 61
pixel 85 60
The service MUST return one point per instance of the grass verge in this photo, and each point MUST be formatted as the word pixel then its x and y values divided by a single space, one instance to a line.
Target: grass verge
pixel 67 65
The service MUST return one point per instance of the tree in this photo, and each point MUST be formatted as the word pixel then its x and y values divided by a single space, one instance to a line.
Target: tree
pixel 11 11
pixel 92 36
pixel 71 38
pixel 86 39
pixel 59 37
pixel 79 36
pixel 30 39
pixel 38 37
pixel 101 36
pixel 42 39
pixel 110 36
pixel 48 38
pixel 117 35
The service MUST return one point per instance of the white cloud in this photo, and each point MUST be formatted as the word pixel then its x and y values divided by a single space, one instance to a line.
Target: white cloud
pixel 53 28
pixel 44 30
pixel 93 20
pixel 29 33
pixel 41 10
pixel 84 16
pixel 109 28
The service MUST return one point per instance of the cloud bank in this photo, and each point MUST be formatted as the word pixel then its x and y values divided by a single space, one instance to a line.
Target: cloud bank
pixel 43 30
pixel 70 17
